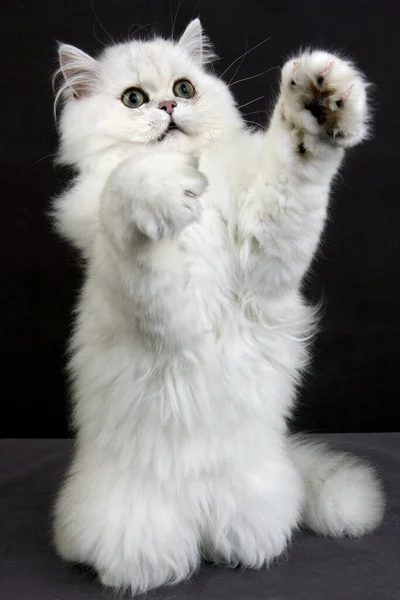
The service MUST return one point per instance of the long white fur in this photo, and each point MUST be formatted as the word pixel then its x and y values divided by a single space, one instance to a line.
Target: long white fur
pixel 191 333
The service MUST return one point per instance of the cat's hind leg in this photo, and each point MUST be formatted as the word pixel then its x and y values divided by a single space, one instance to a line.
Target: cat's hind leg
pixel 255 514
pixel 135 535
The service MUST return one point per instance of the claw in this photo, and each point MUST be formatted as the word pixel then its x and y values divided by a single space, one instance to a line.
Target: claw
pixel 347 94
pixel 296 66
pixel 328 69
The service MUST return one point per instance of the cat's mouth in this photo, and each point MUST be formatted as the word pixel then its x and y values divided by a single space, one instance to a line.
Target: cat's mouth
pixel 172 129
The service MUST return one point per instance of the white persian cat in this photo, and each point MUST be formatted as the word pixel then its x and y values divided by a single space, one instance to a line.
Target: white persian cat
pixel 191 332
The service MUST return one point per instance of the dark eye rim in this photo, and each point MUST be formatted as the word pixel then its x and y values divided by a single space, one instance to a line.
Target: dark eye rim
pixel 131 89
pixel 183 79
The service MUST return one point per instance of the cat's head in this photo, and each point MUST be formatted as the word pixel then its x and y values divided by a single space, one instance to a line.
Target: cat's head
pixel 142 92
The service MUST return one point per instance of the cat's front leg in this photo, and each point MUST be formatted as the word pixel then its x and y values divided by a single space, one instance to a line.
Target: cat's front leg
pixel 137 262
pixel 322 109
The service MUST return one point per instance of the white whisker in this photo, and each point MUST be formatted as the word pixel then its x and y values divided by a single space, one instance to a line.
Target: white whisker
pixel 255 112
pixel 43 158
pixel 131 33
pixel 171 17
pixel 240 64
pixel 251 102
pixel 101 25
pixel 96 37
pixel 255 123
pixel 195 11
pixel 244 54
pixel 174 21
pixel 253 76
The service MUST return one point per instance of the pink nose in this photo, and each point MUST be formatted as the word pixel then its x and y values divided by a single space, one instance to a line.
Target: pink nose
pixel 168 106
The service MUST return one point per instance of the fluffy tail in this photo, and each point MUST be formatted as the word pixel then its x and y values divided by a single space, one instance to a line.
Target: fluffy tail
pixel 343 495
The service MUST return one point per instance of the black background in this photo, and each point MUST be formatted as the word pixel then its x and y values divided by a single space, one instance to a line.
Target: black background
pixel 355 381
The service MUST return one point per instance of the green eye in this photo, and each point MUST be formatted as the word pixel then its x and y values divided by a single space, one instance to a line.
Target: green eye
pixel 183 89
pixel 134 97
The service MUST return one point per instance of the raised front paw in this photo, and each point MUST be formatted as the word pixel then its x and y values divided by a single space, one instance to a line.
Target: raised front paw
pixel 173 195
pixel 325 95
pixel 155 194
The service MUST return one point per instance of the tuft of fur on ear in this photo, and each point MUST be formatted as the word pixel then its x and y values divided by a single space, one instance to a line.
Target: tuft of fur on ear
pixel 78 69
pixel 196 43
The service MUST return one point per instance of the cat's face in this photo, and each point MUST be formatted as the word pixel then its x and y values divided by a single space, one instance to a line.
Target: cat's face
pixel 143 93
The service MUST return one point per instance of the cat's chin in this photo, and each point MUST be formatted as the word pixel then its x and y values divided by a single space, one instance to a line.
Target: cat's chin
pixel 172 132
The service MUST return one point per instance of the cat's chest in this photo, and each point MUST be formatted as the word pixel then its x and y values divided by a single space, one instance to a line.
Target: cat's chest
pixel 211 250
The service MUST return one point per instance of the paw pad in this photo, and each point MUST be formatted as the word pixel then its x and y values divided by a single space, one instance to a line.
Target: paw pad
pixel 332 91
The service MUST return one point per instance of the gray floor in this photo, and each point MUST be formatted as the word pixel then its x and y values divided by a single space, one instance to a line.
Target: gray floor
pixel 314 568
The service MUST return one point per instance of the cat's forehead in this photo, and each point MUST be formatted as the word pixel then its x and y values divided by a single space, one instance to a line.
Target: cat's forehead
pixel 148 64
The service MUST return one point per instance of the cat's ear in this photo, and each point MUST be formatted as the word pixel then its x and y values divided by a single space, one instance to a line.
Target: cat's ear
pixel 80 71
pixel 196 44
